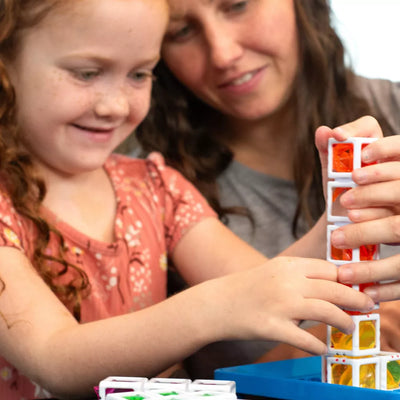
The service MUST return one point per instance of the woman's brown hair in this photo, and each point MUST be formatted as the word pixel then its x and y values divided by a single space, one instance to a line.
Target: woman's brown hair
pixel 181 126
pixel 18 177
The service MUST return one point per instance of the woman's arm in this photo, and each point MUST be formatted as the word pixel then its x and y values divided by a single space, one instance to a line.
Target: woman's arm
pixel 313 244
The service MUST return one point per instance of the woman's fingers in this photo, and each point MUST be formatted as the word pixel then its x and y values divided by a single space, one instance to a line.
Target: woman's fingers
pixel 382 172
pixel 384 150
pixel 366 126
pixel 369 214
pixel 385 193
pixel 386 271
pixel 384 230
pixel 384 291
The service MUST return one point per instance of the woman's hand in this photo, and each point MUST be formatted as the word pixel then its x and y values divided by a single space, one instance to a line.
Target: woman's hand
pixel 375 203
pixel 373 206
pixel 363 127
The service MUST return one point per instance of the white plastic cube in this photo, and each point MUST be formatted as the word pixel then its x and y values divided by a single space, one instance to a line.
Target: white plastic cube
pixel 358 372
pixel 352 147
pixel 390 370
pixel 364 341
pixel 128 384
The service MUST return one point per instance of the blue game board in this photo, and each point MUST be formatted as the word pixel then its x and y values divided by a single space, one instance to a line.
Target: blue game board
pixel 296 379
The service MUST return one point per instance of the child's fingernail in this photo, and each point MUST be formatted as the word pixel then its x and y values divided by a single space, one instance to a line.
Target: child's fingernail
pixel 373 293
pixel 371 304
pixel 350 330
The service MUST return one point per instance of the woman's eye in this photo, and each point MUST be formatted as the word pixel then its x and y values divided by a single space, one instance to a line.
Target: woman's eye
pixel 86 75
pixel 180 34
pixel 185 31
pixel 237 6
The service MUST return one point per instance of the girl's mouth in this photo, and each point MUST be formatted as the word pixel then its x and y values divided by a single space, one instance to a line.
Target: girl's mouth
pixel 93 129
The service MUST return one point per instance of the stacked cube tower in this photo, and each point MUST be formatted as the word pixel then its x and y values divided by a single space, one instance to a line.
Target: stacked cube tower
pixel 355 359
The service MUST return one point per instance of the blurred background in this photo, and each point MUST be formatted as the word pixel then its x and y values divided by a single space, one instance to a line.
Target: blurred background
pixel 370 30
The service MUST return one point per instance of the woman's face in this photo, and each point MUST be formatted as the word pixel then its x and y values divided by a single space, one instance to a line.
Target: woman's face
pixel 240 57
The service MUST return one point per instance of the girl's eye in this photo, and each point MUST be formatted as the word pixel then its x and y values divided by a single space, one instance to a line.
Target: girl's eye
pixel 142 76
pixel 86 75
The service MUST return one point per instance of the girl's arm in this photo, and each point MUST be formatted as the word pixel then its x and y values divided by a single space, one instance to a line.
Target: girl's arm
pixel 39 336
pixel 266 301
pixel 41 339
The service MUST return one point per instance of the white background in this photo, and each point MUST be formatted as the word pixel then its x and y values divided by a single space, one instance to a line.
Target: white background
pixel 370 30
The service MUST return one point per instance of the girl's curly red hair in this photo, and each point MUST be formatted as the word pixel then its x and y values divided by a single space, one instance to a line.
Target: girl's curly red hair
pixel 17 173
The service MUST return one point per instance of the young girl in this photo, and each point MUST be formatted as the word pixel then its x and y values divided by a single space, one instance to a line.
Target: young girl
pixel 85 235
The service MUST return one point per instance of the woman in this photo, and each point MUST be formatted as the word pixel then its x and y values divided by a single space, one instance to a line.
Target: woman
pixel 241 89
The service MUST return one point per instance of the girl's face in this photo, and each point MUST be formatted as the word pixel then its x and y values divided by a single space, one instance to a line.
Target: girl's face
pixel 83 79
pixel 238 56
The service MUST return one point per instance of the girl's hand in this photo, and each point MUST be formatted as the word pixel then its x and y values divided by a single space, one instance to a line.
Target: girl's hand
pixel 269 301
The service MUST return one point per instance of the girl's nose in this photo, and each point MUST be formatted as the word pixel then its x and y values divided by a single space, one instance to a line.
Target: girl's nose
pixel 112 104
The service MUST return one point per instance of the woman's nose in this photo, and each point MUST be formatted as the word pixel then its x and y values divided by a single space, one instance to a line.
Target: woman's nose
pixel 224 48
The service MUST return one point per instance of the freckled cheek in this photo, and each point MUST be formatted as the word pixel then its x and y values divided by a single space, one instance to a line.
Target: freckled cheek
pixel 139 107
pixel 71 100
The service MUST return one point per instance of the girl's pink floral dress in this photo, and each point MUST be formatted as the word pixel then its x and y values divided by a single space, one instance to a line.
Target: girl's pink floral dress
pixel 155 207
